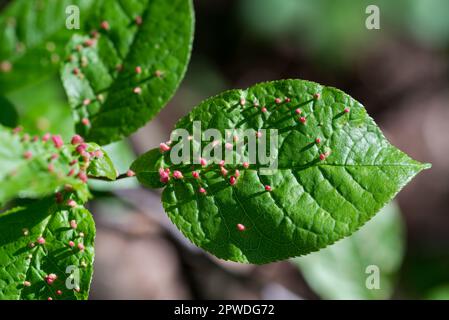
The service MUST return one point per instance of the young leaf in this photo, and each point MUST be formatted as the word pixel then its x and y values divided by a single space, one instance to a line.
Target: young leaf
pixel 102 166
pixel 335 170
pixel 26 262
pixel 33 34
pixel 36 167
pixel 121 75
pixel 123 156
pixel 363 266
pixel 8 113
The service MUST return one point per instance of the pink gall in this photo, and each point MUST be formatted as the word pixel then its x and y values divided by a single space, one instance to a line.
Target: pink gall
pixel 130 173
pixel 57 141
pixel 177 174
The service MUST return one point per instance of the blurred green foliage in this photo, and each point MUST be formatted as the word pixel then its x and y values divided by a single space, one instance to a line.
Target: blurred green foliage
pixel 334 32
pixel 43 108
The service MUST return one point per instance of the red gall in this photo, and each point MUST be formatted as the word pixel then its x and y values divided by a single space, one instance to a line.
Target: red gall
pixel 27 155
pixel 46 137
pixel 177 174
pixel 163 147
pixel 82 176
pixel 57 141
pixel 71 203
pixel 130 173
pixel 105 25
pixel 137 90
pixel 73 224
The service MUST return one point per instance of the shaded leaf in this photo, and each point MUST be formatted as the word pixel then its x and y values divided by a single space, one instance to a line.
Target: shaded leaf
pixel 313 201
pixel 44 108
pixel 8 113
pixel 33 35
pixel 340 271
pixel 21 262
pixel 100 76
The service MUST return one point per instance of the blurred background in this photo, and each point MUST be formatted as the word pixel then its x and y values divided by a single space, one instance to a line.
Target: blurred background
pixel 399 72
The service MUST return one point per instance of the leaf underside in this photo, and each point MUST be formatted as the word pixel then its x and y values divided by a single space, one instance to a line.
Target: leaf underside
pixel 102 66
pixel 21 263
pixel 313 202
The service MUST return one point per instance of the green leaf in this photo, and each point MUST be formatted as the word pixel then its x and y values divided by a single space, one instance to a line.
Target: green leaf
pixel 8 113
pixel 313 202
pixel 100 75
pixel 28 169
pixel 35 167
pixel 123 156
pixel 21 262
pixel 33 35
pixel 147 168
pixel 340 271
pixel 102 166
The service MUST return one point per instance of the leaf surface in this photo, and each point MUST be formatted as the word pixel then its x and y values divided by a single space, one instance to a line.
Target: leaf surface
pixel 313 202
pixel 121 76
pixel 23 259
pixel 33 167
pixel 102 166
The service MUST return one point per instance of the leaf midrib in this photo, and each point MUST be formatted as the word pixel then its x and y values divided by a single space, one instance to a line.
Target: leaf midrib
pixel 422 166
